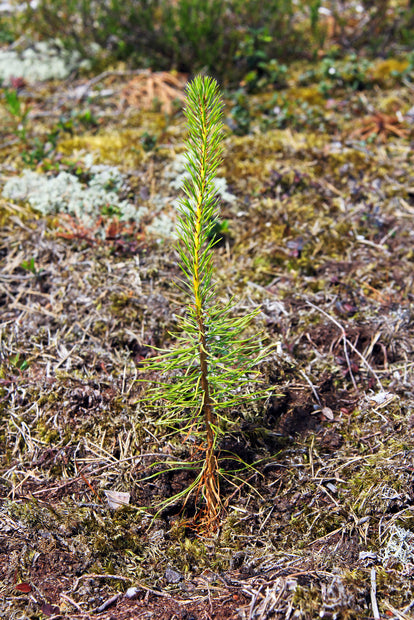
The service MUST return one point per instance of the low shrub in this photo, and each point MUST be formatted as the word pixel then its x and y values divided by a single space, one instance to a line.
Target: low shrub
pixel 233 40
pixel 187 35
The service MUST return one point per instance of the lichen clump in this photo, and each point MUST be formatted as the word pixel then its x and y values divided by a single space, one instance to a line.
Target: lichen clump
pixel 46 60
pixel 66 193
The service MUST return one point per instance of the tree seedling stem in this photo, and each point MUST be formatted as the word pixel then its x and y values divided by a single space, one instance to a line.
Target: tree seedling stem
pixel 214 364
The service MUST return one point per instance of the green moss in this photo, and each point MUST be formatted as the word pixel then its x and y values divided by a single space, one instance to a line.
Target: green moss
pixel 310 94
pixel 386 72
pixel 189 554
pixel 122 147
pixel 116 147
pixel 307 601
pixel 46 434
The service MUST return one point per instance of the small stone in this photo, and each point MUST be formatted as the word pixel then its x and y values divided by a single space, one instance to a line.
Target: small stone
pixel 117 499
pixel 328 413
pixel 132 592
pixel 173 576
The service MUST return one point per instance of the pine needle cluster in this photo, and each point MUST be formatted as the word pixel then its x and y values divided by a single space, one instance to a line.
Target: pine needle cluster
pixel 213 365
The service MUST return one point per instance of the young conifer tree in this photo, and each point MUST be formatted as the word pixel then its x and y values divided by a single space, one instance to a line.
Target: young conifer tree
pixel 213 366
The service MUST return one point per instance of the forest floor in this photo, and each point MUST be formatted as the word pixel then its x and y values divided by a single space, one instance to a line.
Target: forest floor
pixel 317 230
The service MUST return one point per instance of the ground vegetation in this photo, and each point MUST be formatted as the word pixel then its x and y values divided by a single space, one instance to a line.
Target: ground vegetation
pixel 315 236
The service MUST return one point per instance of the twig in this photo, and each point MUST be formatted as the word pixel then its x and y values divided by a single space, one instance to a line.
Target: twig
pixel 315 393
pixel 106 604
pixel 408 84
pixel 9 143
pixel 346 341
pixel 254 596
pixel 408 607
pixel 374 594
pixel 311 457
pixel 399 614
pixel 66 357
pixel 120 578
pixel 72 602
pixel 82 91
pixel 339 529
pixel 98 576
pixel 267 518
pixel 89 485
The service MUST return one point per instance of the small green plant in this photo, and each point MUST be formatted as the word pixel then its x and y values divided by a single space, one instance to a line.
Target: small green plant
pixel 35 150
pixel 29 265
pixel 351 73
pixel 148 141
pixel 87 118
pixel 38 274
pixel 18 112
pixel 6 30
pixel 240 113
pixel 17 362
pixel 40 151
pixel 262 71
pixel 213 367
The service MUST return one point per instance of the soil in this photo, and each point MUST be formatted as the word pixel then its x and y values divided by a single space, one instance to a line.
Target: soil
pixel 319 521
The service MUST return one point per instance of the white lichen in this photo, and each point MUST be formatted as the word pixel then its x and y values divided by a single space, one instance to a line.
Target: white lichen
pixel 45 60
pixel 99 198
pixel 400 545
pixel 162 227
pixel 65 193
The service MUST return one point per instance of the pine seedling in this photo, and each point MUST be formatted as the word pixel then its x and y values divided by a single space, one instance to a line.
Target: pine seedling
pixel 213 366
